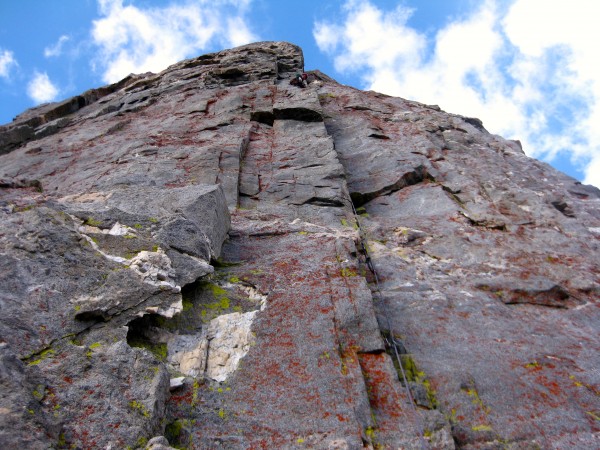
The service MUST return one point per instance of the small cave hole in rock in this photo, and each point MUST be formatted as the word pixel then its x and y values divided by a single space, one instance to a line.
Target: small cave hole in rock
pixel 147 332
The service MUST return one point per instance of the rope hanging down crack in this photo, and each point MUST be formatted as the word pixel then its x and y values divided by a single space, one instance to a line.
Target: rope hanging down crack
pixel 398 347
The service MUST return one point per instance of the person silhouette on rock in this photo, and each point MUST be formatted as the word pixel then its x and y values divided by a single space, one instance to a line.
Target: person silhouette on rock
pixel 299 80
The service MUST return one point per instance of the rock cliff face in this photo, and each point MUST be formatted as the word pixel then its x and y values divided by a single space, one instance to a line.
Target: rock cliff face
pixel 214 258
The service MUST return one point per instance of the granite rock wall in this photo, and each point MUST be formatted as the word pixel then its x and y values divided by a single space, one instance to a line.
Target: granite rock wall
pixel 210 257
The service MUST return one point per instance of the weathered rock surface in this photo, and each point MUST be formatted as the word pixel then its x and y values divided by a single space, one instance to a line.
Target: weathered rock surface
pixel 181 266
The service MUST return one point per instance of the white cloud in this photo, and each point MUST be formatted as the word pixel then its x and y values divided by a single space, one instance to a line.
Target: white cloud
pixel 56 49
pixel 40 89
pixel 370 35
pixel 134 40
pixel 238 32
pixel 529 71
pixel 7 61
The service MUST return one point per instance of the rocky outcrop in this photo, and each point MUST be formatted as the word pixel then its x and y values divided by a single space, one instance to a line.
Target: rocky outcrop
pixel 210 257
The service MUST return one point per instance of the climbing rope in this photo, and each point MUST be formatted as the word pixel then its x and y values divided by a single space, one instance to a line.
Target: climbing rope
pixel 391 341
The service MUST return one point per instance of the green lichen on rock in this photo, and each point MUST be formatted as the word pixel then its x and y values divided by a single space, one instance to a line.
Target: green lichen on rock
pixel 39 392
pixel 221 304
pixel 195 392
pixel 594 415
pixel 371 435
pixel 157 349
pixel 139 407
pixel 326 95
pixel 220 263
pixel 347 272
pixel 178 435
pixel 92 222
pixel 47 353
pixel 414 375
pixel 472 392
pixel 187 302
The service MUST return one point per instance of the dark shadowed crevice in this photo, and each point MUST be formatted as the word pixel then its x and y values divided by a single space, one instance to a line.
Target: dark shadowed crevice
pixel 302 114
pixel 231 73
pixel 535 292
pixel 202 301
pixel 266 117
pixel 204 60
pixel 323 201
pixel 379 136
pixel 563 207
pixel 21 184
pixel 418 175
pixel 152 331
pixel 145 332
pixel 555 297
pixel 483 223
pixel 93 316
pixel 477 123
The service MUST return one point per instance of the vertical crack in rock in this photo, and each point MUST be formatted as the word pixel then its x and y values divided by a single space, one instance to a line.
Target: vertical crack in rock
pixel 244 185
pixel 425 241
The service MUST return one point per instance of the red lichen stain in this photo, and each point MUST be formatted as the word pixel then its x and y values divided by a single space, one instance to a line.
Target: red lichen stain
pixel 381 389
pixel 68 380
pixel 185 398
pixel 87 412
pixel 552 386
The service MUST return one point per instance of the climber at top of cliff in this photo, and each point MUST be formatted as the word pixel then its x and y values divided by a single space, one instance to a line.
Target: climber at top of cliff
pixel 299 80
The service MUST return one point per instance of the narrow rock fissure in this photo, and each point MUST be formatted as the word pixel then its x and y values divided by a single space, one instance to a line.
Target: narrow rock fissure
pixel 418 175
pixel 490 225
pixel 242 158
pixel 320 201
pixel 406 371
pixel 370 366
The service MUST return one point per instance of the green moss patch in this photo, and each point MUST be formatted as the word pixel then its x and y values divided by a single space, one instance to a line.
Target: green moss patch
pixel 414 375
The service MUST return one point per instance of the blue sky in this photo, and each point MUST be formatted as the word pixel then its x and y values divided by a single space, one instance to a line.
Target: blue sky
pixel 530 69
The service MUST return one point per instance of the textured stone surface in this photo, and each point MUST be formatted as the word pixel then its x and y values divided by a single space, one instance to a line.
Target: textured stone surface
pixel 492 284
pixel 180 258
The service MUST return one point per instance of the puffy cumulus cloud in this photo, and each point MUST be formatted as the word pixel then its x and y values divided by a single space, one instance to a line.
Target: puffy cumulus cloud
pixel 369 34
pixel 238 32
pixel 528 69
pixel 133 39
pixel 56 49
pixel 40 89
pixel 7 62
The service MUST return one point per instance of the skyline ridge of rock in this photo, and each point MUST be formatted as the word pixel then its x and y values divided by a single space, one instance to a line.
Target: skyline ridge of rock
pixel 210 257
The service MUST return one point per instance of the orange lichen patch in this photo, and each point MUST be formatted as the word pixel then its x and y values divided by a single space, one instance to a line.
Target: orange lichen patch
pixel 387 403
